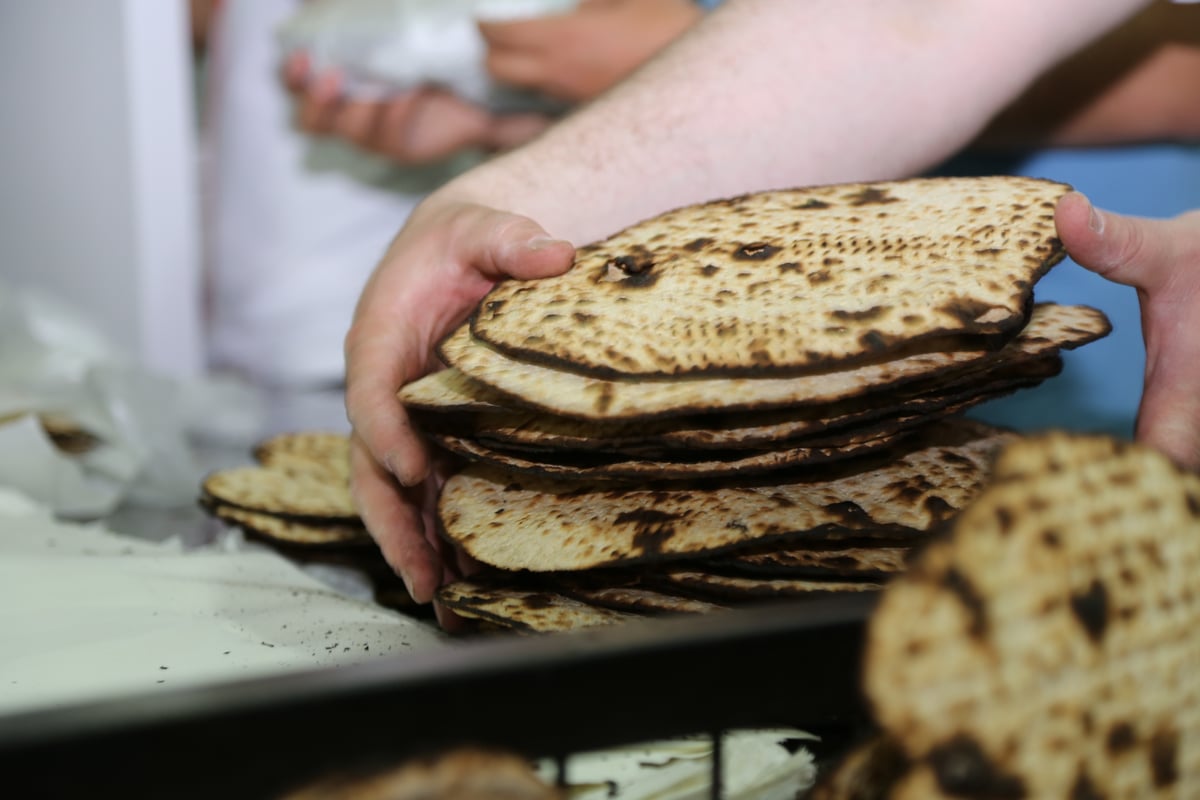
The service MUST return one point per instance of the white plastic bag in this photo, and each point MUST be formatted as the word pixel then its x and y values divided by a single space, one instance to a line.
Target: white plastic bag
pixel 384 46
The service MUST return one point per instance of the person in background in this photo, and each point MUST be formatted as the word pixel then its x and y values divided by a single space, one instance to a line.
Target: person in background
pixel 1118 121
pixel 761 95
pixel 571 57
pixel 302 193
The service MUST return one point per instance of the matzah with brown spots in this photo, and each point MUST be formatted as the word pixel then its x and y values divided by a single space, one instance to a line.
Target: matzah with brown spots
pixel 519 522
pixel 556 391
pixel 1048 645
pixel 525 610
pixel 789 280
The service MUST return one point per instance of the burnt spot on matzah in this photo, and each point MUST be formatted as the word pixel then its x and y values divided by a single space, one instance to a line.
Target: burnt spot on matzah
pixel 652 528
pixel 1121 738
pixel 755 251
pixel 651 276
pixel 871 195
pixel 972 601
pixel 1092 610
pixel 1085 788
pixel 1164 757
pixel 963 769
pixel 1086 558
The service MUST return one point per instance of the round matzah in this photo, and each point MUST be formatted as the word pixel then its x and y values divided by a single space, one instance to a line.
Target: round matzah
pixel 518 522
pixel 761 430
pixel 632 469
pixel 290 494
pixel 857 562
pixel 318 451
pixel 528 610
pixel 788 280
pixel 291 532
pixel 1047 646
pixel 568 394
pixel 740 587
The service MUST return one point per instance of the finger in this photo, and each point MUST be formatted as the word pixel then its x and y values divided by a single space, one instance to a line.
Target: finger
pixel 296 68
pixel 381 356
pixel 517 247
pixel 394 518
pixel 442 125
pixel 525 68
pixel 395 121
pixel 1169 416
pixel 319 104
pixel 356 122
pixel 524 34
pixel 402 314
pixel 449 621
pixel 1128 250
pixel 513 130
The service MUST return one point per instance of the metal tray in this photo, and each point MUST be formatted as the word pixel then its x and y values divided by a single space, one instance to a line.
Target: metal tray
pixel 786 665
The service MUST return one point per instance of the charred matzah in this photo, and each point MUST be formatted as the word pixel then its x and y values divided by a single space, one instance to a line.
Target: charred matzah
pixel 859 561
pixel 291 532
pixel 571 395
pixel 527 523
pixel 1048 647
pixel 537 432
pixel 632 469
pixel 745 589
pixel 867 772
pixel 789 280
pixel 525 610
pixel 288 493
pixel 640 600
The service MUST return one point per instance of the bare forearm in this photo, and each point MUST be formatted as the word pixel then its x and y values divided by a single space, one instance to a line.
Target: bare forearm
pixel 1138 83
pixel 767 93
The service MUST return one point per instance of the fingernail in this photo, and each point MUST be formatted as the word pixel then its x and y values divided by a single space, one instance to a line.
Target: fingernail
pixel 541 243
pixel 403 473
pixel 407 584
pixel 327 87
pixel 391 462
pixel 1095 219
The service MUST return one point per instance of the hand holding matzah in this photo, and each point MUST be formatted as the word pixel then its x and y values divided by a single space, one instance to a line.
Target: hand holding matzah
pixel 840 283
pixel 437 269
pixel 1161 259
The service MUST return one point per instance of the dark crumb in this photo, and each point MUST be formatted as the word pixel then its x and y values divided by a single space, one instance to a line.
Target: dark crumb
pixel 226 653
pixel 161 667
pixel 160 681
pixel 266 644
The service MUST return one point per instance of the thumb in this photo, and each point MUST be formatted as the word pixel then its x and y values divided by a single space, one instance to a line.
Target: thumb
pixel 513 246
pixel 1129 250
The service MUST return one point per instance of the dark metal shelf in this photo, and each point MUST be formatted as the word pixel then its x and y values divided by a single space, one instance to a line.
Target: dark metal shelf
pixel 794 665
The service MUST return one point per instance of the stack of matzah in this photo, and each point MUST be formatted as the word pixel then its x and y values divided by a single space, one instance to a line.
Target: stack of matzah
pixel 752 398
pixel 296 499
pixel 1046 645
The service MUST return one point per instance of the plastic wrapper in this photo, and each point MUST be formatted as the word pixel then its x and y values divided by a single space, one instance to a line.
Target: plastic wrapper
pixel 90 615
pixel 386 46
pixel 84 428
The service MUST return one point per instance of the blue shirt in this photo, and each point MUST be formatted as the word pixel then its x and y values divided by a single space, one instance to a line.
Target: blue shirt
pixel 1101 384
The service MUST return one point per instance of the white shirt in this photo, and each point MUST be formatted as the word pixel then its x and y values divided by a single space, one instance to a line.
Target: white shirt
pixel 293 225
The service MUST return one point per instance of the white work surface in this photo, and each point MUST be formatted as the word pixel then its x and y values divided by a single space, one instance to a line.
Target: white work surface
pixel 86 614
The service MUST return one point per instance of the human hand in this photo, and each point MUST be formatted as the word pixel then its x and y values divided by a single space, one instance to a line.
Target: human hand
pixel 1161 259
pixel 577 55
pixel 421 126
pixel 437 269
